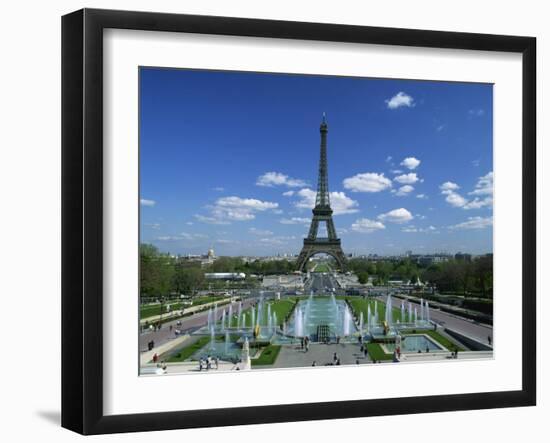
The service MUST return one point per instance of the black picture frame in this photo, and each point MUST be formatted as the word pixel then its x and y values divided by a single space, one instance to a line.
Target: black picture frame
pixel 82 218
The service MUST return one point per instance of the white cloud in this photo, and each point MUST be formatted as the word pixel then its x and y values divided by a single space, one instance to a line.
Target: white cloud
pixel 455 199
pixel 190 223
pixel 261 232
pixel 182 236
pixel 153 225
pixel 484 188
pixel 396 171
pixel 340 203
pixel 235 209
pixel 145 202
pixel 210 220
pixel 414 229
pixel 404 191
pixel 476 112
pixel 422 196
pixel 400 99
pixel 407 179
pixel 367 182
pixel 295 221
pixel 271 179
pixel 288 193
pixel 389 158
pixel 365 225
pixel 400 215
pixel 410 163
pixel 474 223
pixel 484 185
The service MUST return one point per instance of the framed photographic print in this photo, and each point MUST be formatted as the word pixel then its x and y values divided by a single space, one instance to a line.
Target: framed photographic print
pixel 269 221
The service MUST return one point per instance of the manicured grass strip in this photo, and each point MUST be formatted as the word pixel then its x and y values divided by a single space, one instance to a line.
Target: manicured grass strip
pixel 361 305
pixel 184 353
pixel 441 339
pixel 322 267
pixel 268 356
pixel 279 307
pixel 376 352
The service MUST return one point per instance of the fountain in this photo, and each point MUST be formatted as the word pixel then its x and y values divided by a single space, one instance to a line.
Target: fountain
pixel 212 338
pixel 361 324
pixel 415 316
pixel 388 315
pixel 427 308
pixel 230 316
pixel 299 323
pixel 369 318
pixel 402 312
pixel 245 356
pixel 226 343
pixel 252 323
pixel 210 314
pixel 223 321
pixel 347 320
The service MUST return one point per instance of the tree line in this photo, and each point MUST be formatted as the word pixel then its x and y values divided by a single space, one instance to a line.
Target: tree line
pixel 162 274
pixel 458 276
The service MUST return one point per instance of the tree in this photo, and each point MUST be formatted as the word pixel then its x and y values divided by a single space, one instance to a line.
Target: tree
pixel 363 277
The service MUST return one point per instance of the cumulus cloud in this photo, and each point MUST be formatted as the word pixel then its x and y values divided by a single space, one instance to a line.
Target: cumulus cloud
pixel 404 190
pixel 295 221
pixel 367 182
pixel 483 194
pixel 234 208
pixel 271 179
pixel 340 203
pixel 414 229
pixel 400 215
pixel 410 163
pixel 407 179
pixel 400 99
pixel 146 202
pixel 365 225
pixel 484 185
pixel 422 196
pixel 288 193
pixel 474 223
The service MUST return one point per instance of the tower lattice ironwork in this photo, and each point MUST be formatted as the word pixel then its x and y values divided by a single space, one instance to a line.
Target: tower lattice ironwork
pixel 322 212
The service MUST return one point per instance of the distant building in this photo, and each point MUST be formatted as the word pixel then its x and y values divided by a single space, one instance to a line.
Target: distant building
pixel 225 276
pixel 459 256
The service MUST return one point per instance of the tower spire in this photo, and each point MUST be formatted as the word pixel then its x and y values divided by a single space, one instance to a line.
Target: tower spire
pixel 322 199
pixel 322 213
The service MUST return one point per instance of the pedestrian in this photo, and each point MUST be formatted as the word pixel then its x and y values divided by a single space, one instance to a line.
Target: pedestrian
pixel 314 363
pixel 456 353
pixel 427 349
pixel 489 339
pixel 217 361
pixel 362 349
pixel 366 351
pixel 155 358
pixel 338 362
pixel 335 357
pixel 200 364
pixel 302 343
pixel 171 328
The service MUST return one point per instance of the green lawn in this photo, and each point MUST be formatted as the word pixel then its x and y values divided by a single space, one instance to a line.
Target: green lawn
pixel 322 267
pixel 280 307
pixel 376 352
pixel 186 352
pixel 361 305
pixel 268 356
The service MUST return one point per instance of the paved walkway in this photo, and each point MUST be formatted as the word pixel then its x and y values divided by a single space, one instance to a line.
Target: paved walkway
pixel 321 354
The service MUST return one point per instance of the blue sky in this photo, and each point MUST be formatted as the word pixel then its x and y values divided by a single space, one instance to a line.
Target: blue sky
pixel 230 159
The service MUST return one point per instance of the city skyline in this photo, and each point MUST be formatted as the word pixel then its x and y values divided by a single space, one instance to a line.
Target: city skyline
pixel 229 160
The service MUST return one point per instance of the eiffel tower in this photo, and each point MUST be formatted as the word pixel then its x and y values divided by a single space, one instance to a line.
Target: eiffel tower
pixel 322 212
